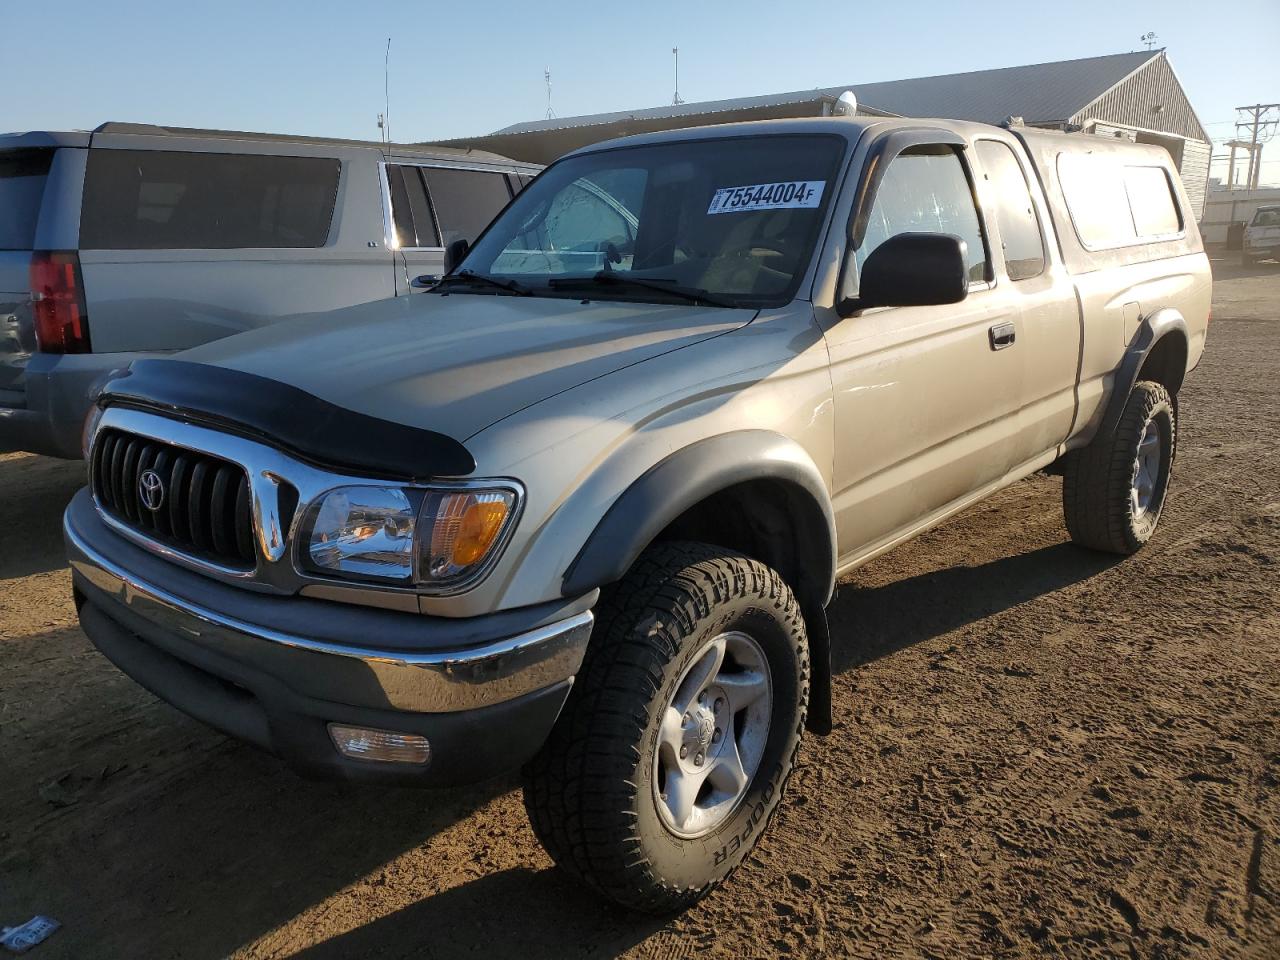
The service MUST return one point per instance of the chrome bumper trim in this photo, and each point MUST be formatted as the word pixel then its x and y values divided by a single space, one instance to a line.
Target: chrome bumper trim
pixel 428 682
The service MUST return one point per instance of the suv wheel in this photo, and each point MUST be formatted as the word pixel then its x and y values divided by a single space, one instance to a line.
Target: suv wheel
pixel 1114 489
pixel 680 732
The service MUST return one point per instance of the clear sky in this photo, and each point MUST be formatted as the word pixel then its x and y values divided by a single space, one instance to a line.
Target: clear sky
pixel 460 68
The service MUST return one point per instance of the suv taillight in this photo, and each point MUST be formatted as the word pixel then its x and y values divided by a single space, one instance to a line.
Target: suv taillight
pixel 57 303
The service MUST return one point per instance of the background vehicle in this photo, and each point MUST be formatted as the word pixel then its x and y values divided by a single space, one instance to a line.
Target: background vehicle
pixel 588 520
pixel 1262 236
pixel 136 238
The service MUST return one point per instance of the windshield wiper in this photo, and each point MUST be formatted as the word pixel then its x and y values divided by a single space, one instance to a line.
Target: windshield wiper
pixel 471 278
pixel 663 285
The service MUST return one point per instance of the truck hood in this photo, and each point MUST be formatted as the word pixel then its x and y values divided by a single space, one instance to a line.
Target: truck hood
pixel 456 364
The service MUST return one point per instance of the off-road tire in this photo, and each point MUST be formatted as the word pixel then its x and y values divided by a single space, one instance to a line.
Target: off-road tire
pixel 1097 479
pixel 589 792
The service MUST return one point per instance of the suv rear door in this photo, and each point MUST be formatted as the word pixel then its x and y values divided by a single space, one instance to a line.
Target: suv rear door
pixel 185 240
pixel 434 204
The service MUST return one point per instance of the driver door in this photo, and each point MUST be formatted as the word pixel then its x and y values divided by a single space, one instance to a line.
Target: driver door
pixel 923 394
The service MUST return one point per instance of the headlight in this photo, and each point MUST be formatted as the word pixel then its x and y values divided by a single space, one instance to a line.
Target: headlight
pixel 437 537
pixel 363 532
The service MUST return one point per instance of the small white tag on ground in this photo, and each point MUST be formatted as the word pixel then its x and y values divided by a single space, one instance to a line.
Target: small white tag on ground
pixel 22 938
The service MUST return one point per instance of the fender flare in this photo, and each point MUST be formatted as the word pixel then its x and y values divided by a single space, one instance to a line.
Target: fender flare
pixel 1154 328
pixel 690 475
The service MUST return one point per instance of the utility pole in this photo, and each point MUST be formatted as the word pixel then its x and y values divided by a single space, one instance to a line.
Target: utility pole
pixel 1260 130
pixel 546 75
pixel 675 100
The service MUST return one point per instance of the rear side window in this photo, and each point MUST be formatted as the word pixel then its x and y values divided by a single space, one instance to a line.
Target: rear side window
pixel 22 178
pixel 411 210
pixel 158 200
pixel 1115 205
pixel 1016 215
pixel 1155 212
pixel 925 190
pixel 465 201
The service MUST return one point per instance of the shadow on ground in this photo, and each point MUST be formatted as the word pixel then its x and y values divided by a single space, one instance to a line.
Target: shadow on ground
pixel 555 919
pixel 869 623
pixel 33 492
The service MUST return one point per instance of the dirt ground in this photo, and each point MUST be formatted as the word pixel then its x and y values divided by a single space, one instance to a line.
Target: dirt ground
pixel 1039 751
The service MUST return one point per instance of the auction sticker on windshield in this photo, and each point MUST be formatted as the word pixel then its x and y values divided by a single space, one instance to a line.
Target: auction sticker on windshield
pixel 790 194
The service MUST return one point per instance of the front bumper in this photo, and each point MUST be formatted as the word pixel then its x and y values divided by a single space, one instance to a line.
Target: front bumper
pixel 207 648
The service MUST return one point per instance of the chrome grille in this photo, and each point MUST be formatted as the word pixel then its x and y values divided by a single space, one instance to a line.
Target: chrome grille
pixel 203 504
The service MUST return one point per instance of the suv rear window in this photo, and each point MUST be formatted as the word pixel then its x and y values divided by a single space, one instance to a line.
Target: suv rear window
pixel 22 177
pixel 158 200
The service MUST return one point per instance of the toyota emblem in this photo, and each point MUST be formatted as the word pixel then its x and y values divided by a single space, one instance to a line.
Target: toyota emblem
pixel 151 490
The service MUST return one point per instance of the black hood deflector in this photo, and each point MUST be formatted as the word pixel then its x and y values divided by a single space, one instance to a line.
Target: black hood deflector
pixel 287 417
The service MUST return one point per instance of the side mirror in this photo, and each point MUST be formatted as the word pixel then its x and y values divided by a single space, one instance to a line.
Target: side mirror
pixel 454 253
pixel 910 270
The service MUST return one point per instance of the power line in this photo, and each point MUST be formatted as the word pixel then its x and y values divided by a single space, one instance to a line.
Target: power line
pixel 1260 127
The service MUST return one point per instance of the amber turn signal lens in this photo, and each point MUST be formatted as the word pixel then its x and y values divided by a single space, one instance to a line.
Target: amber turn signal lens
pixel 465 529
pixel 477 529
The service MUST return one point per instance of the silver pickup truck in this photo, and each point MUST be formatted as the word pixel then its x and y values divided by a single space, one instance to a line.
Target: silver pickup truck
pixel 580 508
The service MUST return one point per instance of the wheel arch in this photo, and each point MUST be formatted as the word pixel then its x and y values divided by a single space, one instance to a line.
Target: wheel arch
pixel 1158 352
pixel 753 491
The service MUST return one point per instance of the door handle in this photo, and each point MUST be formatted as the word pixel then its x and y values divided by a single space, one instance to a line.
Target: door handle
pixel 1002 335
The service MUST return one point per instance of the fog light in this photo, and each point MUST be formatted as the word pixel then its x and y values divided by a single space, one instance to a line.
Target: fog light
pixel 360 743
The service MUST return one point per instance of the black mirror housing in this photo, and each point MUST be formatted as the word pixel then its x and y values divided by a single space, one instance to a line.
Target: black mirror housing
pixel 911 270
pixel 454 253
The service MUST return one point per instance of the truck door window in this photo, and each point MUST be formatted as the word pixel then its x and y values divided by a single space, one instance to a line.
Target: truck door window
pixel 925 190
pixel 1019 224
pixel 465 200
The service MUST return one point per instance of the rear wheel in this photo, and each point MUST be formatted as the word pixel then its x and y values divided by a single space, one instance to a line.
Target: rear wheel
pixel 680 732
pixel 1113 490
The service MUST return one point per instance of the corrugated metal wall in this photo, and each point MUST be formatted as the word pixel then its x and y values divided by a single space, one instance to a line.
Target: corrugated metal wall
pixel 1133 103
pixel 1195 173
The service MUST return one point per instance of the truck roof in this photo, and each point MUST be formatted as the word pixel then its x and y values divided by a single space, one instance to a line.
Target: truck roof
pixel 850 128
pixel 83 138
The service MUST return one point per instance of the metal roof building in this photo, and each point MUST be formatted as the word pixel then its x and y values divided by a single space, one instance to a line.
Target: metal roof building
pixel 1133 95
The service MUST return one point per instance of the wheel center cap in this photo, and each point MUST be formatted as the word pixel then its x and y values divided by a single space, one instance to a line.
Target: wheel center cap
pixel 701 729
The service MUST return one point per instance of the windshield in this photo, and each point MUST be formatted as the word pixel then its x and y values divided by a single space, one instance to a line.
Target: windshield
pixel 1266 218
pixel 728 222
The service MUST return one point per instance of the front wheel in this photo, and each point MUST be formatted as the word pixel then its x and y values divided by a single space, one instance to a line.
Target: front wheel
pixel 680 732
pixel 1113 490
